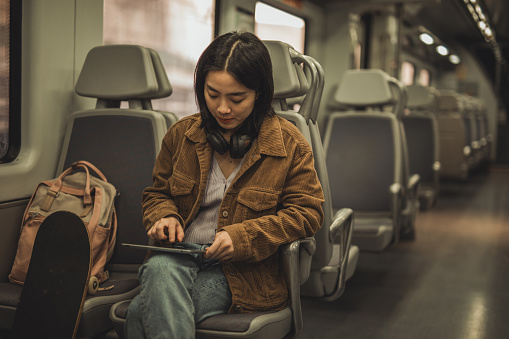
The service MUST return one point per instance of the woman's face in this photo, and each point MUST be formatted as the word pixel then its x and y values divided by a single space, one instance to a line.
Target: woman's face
pixel 228 100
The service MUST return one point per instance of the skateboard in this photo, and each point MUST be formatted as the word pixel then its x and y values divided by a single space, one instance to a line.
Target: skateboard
pixel 57 280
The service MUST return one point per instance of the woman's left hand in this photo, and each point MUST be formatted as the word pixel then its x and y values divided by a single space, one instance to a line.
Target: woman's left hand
pixel 221 248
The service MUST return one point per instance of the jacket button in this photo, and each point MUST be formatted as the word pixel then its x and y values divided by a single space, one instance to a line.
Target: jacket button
pixel 238 308
pixel 225 214
pixel 232 272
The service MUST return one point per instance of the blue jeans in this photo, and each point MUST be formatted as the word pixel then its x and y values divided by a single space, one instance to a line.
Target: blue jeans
pixel 177 292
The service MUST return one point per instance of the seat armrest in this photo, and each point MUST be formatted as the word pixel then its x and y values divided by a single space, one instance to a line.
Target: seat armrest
pixel 342 219
pixel 396 199
pixel 297 265
pixel 436 172
pixel 413 181
pixel 437 166
pixel 341 233
pixel 413 188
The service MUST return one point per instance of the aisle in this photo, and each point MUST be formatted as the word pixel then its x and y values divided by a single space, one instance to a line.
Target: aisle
pixel 452 282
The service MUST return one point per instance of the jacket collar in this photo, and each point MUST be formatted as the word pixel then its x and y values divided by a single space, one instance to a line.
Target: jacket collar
pixel 194 132
pixel 269 141
pixel 270 138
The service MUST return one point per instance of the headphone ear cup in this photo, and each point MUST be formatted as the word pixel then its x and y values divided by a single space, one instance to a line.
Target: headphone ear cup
pixel 217 141
pixel 239 145
pixel 236 147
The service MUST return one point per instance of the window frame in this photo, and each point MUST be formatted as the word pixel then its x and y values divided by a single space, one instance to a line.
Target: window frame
pixel 288 10
pixel 414 72
pixel 14 139
pixel 420 75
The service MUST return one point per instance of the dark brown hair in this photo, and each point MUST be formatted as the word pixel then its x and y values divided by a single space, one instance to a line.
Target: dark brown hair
pixel 245 57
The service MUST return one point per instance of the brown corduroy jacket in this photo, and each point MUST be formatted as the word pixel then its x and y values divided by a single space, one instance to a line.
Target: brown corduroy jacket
pixel 274 199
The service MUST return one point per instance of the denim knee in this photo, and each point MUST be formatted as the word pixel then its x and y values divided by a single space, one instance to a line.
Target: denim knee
pixel 165 266
pixel 133 327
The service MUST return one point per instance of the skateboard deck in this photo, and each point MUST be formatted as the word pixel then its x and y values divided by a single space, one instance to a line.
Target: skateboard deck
pixel 56 283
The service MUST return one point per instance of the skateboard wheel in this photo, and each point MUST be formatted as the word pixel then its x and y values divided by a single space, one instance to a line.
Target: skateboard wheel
pixel 93 285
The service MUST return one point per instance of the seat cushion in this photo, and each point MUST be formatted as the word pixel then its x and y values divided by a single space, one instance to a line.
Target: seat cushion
pixel 250 325
pixel 372 234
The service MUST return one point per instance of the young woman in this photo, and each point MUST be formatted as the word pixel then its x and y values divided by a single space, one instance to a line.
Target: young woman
pixel 235 180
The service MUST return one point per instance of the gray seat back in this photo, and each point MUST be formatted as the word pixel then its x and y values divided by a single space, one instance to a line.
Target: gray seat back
pixel 363 143
pixel 126 155
pixel 365 159
pixel 454 150
pixel 421 129
pixel 123 143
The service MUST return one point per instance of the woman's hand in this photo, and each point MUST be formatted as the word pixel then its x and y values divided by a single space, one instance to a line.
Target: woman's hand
pixel 166 229
pixel 221 248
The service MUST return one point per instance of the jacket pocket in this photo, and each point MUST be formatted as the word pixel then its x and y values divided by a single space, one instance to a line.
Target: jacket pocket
pixel 253 204
pixel 182 192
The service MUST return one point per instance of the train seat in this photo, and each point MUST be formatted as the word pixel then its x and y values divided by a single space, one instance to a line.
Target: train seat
pixel 335 259
pixel 473 133
pixel 123 144
pixel 421 129
pixel 483 130
pixel 296 260
pixel 482 138
pixel 126 154
pixel 365 150
pixel 454 150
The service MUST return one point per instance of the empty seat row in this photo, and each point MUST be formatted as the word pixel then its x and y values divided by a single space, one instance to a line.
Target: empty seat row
pixel 465 140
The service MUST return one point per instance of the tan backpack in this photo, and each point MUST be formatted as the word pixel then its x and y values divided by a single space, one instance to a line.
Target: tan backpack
pixel 83 194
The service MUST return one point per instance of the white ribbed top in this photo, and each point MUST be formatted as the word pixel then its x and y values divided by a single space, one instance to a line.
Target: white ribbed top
pixel 202 230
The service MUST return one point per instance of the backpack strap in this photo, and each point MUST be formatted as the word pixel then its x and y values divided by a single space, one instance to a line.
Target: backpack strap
pixel 95 169
pixel 57 185
pixel 113 236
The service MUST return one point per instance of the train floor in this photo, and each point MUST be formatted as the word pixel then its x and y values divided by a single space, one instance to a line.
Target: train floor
pixel 452 282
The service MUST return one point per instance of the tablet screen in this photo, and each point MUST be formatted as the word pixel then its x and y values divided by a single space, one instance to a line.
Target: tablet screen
pixel 163 249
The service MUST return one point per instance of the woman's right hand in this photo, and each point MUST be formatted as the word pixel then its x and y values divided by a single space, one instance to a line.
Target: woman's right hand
pixel 166 229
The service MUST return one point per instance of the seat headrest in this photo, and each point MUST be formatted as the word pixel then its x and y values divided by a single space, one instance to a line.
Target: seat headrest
pixel 289 78
pixel 122 72
pixel 164 87
pixel 450 101
pixel 421 97
pixel 365 87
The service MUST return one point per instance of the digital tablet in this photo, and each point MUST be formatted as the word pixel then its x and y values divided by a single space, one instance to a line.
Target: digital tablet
pixel 163 249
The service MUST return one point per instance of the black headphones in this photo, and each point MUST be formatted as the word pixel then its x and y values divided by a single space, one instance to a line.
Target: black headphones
pixel 239 144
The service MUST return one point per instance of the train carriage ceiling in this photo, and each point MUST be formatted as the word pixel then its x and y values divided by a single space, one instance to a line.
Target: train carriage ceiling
pixel 451 21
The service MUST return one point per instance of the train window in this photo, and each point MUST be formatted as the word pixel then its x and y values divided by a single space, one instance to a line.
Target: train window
pixel 179 30
pixel 274 24
pixel 407 73
pixel 424 77
pixel 10 73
